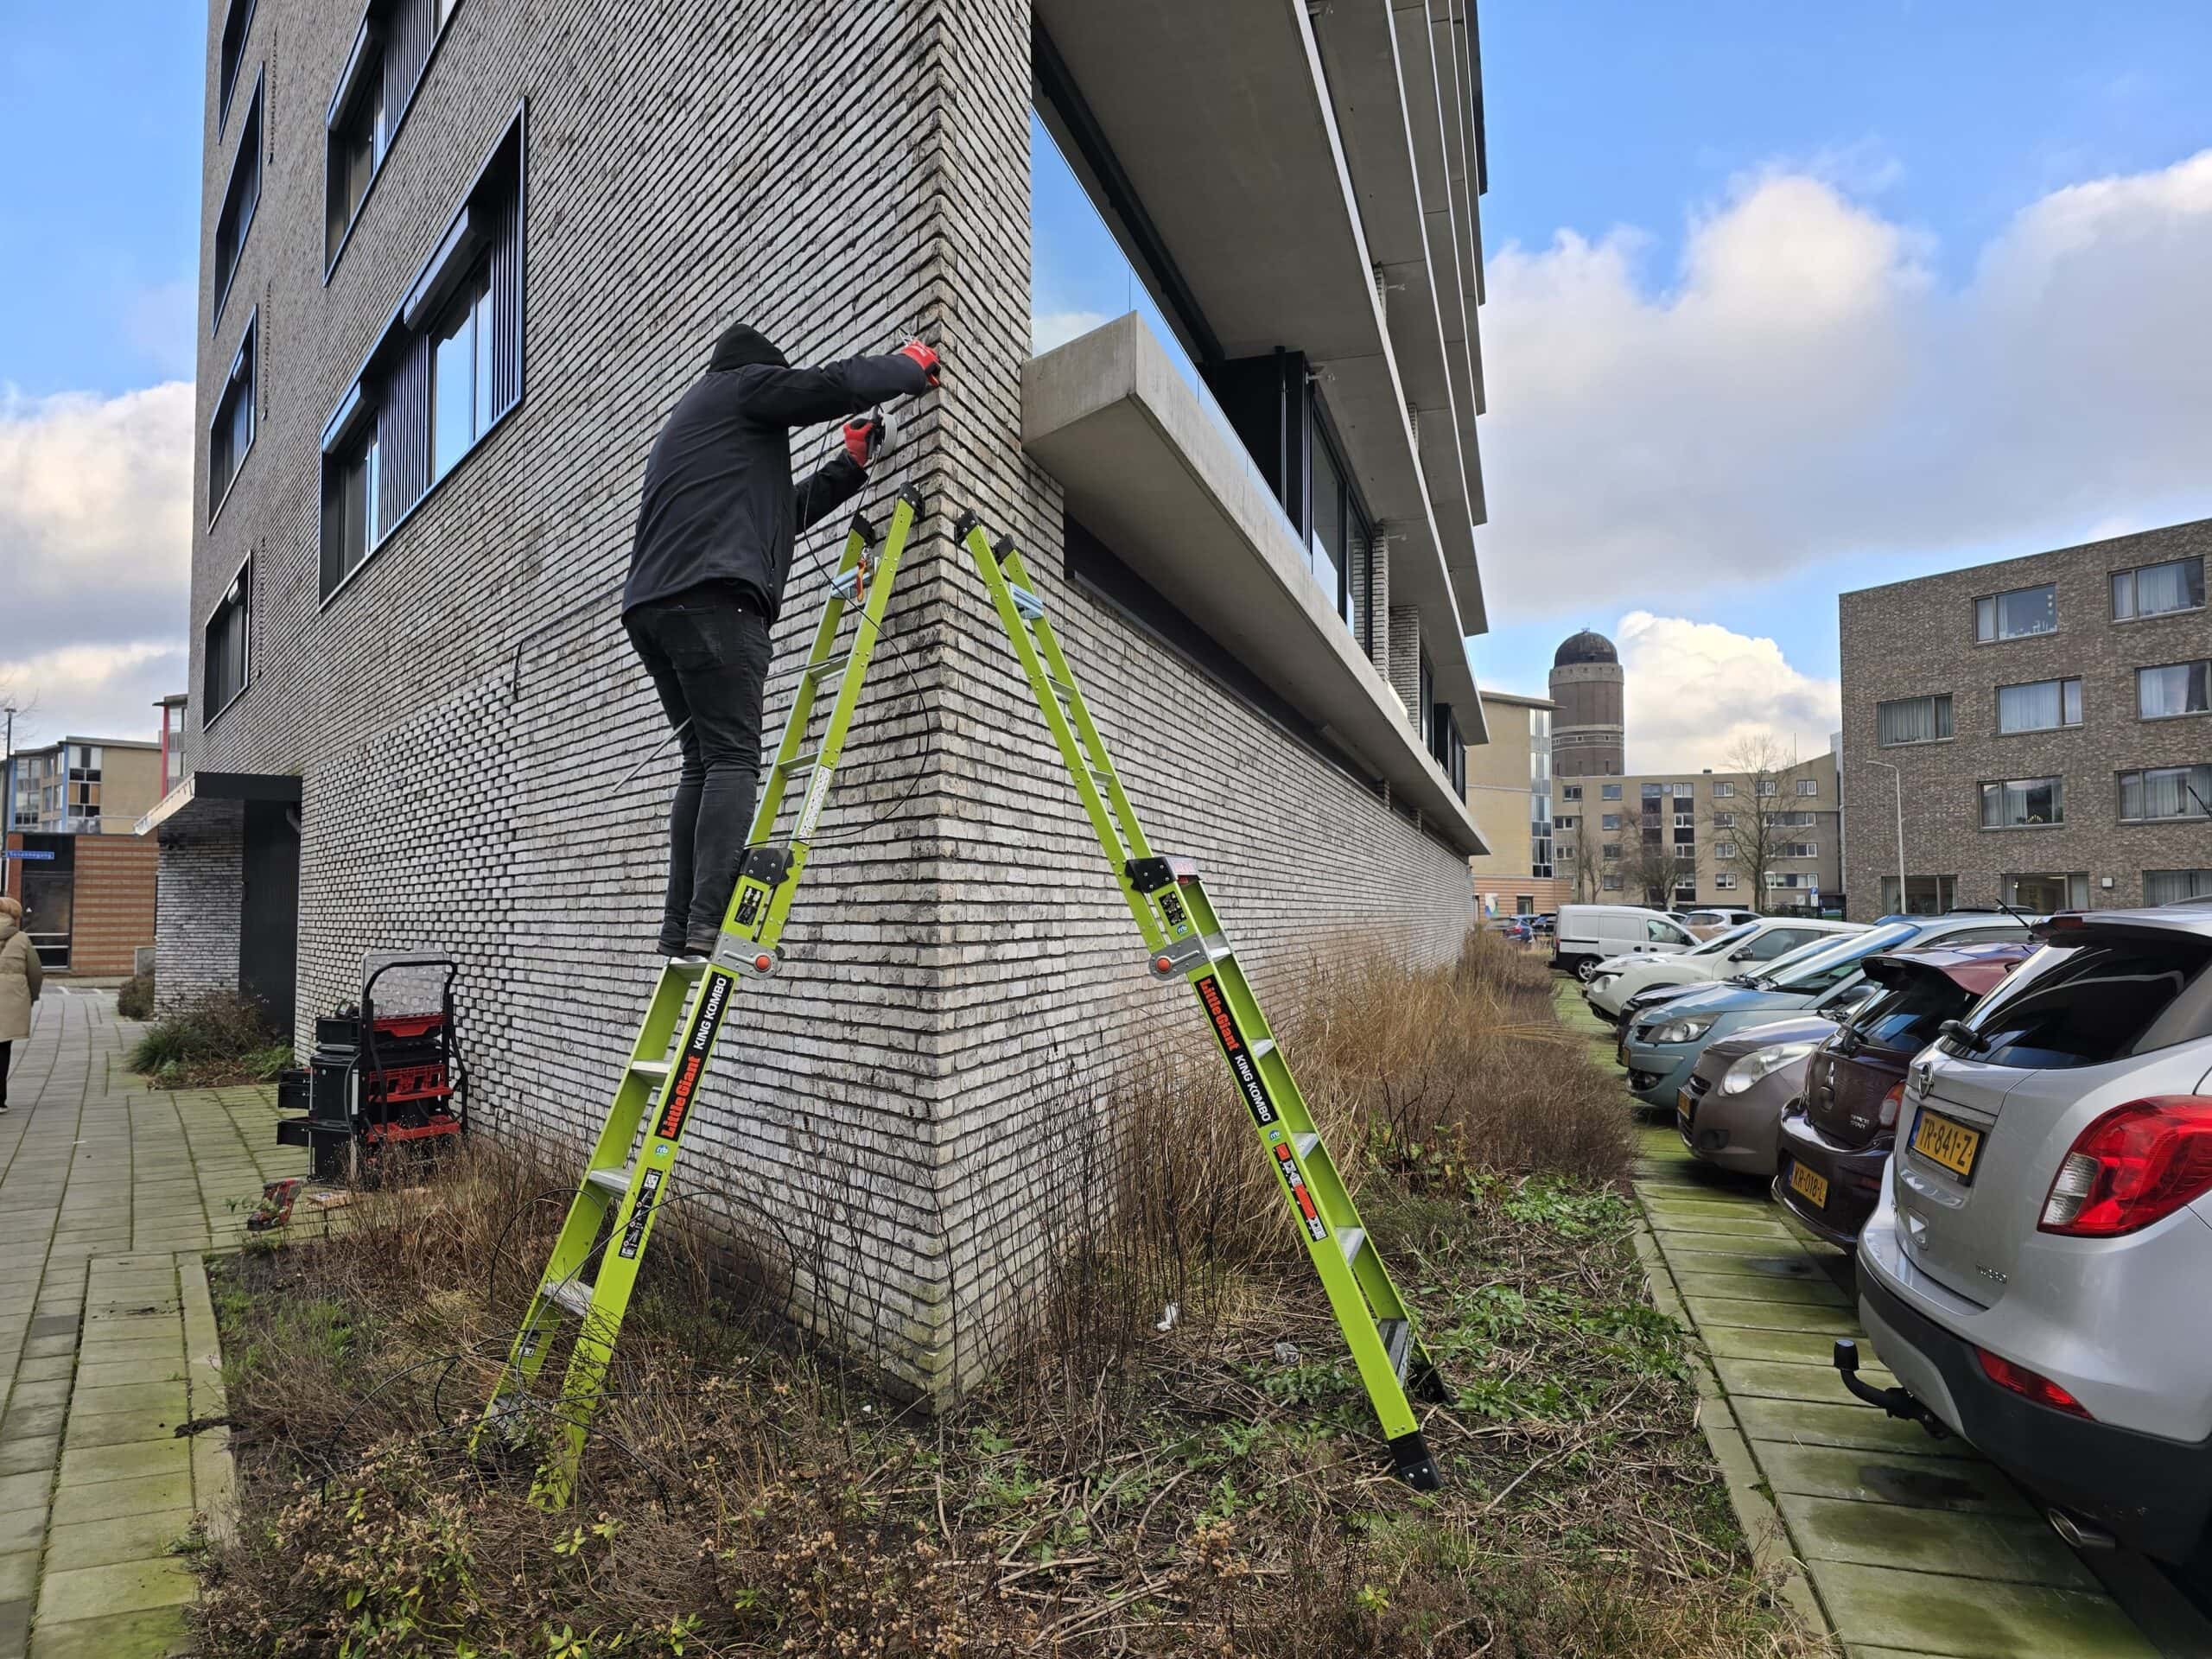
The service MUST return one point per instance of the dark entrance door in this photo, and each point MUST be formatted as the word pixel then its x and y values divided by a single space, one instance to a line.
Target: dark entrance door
pixel 49 895
pixel 269 917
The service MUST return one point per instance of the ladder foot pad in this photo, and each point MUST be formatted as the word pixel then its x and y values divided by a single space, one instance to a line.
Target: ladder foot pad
pixel 1411 1463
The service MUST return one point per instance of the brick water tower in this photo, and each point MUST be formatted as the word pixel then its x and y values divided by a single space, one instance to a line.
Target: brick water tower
pixel 1588 731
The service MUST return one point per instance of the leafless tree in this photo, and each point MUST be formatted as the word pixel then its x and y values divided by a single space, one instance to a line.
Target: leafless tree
pixel 1582 863
pixel 1652 868
pixel 1747 829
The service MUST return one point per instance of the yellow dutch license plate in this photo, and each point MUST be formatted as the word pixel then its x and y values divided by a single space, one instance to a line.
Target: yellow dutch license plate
pixel 1813 1188
pixel 1946 1141
pixel 1620 1054
pixel 1685 1108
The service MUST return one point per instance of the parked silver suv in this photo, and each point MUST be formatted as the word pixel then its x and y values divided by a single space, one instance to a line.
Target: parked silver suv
pixel 2038 1269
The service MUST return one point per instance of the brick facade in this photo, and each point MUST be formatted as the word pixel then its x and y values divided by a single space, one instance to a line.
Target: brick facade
pixel 465 714
pixel 113 911
pixel 196 907
pixel 1917 639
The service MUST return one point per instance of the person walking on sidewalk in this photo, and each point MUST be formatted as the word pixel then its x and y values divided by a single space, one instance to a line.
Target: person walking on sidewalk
pixel 715 529
pixel 21 978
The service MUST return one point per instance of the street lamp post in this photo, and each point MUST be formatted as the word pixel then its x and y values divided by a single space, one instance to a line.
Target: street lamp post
pixel 1898 778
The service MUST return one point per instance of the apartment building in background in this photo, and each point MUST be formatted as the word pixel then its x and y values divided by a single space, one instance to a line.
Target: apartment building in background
pixel 86 884
pixel 1698 831
pixel 2045 725
pixel 1509 791
pixel 452 281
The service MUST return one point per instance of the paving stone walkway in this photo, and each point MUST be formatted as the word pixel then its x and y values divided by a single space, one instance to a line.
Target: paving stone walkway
pixel 110 1196
pixel 1914 1547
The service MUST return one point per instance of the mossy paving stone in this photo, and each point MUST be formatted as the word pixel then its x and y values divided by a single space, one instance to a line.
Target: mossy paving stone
pixel 1793 1347
pixel 1787 1258
pixel 1671 1227
pixel 1771 1315
pixel 1940 1614
pixel 1814 1293
pixel 124 1587
pixel 1784 1379
pixel 155 1633
pixel 2003 1548
pixel 1681 1243
pixel 123 1538
pixel 1924 1480
pixel 1795 1422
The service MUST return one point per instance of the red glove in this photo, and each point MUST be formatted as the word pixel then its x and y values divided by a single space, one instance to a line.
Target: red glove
pixel 863 438
pixel 922 354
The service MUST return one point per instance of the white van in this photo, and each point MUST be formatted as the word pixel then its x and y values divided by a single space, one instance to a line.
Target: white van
pixel 1589 933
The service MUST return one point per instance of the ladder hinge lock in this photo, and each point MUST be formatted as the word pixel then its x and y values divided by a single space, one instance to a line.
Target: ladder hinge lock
pixel 1180 956
pixel 768 865
pixel 851 585
pixel 1151 874
pixel 741 956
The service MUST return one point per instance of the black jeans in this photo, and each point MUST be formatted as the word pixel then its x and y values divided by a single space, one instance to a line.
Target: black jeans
pixel 707 649
pixel 6 1049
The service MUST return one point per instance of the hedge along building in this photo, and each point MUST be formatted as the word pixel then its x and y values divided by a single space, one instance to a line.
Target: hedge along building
pixel 461 257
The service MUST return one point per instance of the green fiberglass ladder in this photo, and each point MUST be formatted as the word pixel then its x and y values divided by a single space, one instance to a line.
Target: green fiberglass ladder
pixel 594 1264
pixel 1184 938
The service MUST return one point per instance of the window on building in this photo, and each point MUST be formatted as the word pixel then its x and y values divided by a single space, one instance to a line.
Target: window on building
pixel 1724 849
pixel 1912 719
pixel 228 646
pixel 1798 850
pixel 1609 883
pixel 1684 850
pixel 229 435
pixel 2172 887
pixel 359 137
pixel 83 799
pixel 2044 892
pixel 1685 821
pixel 1685 892
pixel 1795 820
pixel 1344 535
pixel 1609 821
pixel 229 57
pixel 448 368
pixel 2174 689
pixel 241 196
pixel 1563 823
pixel 1924 896
pixel 1791 880
pixel 1769 786
pixel 1571 793
pixel 1809 785
pixel 2020 802
pixel 1725 880
pixel 1722 791
pixel 2156 589
pixel 1651 792
pixel 1610 850
pixel 1724 820
pixel 2017 614
pixel 1608 791
pixel 2040 705
pixel 2165 792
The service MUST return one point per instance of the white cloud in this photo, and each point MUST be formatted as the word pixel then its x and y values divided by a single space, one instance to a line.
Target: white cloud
pixel 95 553
pixel 1806 389
pixel 1696 691
pixel 1051 328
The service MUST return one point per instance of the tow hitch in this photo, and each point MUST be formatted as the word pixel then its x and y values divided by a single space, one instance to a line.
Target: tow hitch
pixel 1896 1402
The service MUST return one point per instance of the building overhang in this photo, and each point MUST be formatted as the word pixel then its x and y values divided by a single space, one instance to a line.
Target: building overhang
pixel 207 786
pixel 1144 463
pixel 1221 118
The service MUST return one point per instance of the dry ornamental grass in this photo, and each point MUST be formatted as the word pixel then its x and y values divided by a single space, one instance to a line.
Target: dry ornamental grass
pixel 1216 1489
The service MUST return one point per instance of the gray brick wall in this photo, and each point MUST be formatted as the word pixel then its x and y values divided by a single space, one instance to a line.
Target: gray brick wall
pixel 196 899
pixel 464 713
pixel 1917 638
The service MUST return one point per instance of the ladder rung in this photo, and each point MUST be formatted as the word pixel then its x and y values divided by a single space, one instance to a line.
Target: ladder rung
pixel 1352 1238
pixel 1308 1144
pixel 1398 1342
pixel 1025 603
pixel 568 1294
pixel 688 968
pixel 803 759
pixel 616 1181
pixel 656 1069
pixel 1261 1050
pixel 1061 688
pixel 828 665
pixel 1218 947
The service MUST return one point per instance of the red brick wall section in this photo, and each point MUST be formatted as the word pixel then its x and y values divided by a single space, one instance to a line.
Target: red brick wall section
pixel 114 905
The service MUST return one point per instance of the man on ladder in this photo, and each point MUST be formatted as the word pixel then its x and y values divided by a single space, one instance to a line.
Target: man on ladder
pixel 716 530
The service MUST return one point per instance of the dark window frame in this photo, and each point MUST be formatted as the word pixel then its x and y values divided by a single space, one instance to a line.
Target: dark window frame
pixel 229 57
pixel 241 585
pixel 2057 781
pixel 1352 502
pixel 244 377
pixel 350 81
pixel 2112 584
pixel 2201 799
pixel 1996 602
pixel 2205 664
pixel 452 261
pixel 1999 728
pixel 254 128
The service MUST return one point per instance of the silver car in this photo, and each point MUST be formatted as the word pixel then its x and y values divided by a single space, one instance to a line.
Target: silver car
pixel 2038 1269
pixel 1730 1111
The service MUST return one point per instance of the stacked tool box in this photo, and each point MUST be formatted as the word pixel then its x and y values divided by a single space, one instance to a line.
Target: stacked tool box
pixel 377 1079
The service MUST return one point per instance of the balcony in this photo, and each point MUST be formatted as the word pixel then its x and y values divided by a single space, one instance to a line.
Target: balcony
pixel 1149 467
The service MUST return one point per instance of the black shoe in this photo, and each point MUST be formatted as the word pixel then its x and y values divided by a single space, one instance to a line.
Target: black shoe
pixel 701 940
pixel 669 945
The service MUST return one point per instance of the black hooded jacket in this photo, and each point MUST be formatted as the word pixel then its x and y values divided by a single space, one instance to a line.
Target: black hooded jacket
pixel 719 503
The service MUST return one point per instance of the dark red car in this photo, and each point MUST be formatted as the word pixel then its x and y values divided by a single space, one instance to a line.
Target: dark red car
pixel 1838 1134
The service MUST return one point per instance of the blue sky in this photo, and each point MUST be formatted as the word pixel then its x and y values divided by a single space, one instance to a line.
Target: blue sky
pixel 1674 454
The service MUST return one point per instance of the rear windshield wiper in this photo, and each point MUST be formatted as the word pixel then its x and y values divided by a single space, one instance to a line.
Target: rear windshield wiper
pixel 1961 1036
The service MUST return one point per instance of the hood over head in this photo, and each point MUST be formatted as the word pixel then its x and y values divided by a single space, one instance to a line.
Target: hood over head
pixel 740 344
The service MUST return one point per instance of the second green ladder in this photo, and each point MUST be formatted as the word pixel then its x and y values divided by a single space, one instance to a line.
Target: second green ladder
pixel 1184 938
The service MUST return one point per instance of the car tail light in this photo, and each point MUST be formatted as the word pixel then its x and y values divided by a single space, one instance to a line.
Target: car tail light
pixel 2137 1164
pixel 1890 1102
pixel 2029 1385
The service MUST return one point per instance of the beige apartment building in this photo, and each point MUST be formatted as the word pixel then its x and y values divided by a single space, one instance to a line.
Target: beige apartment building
pixel 1692 840
pixel 2036 732
pixel 1510 789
